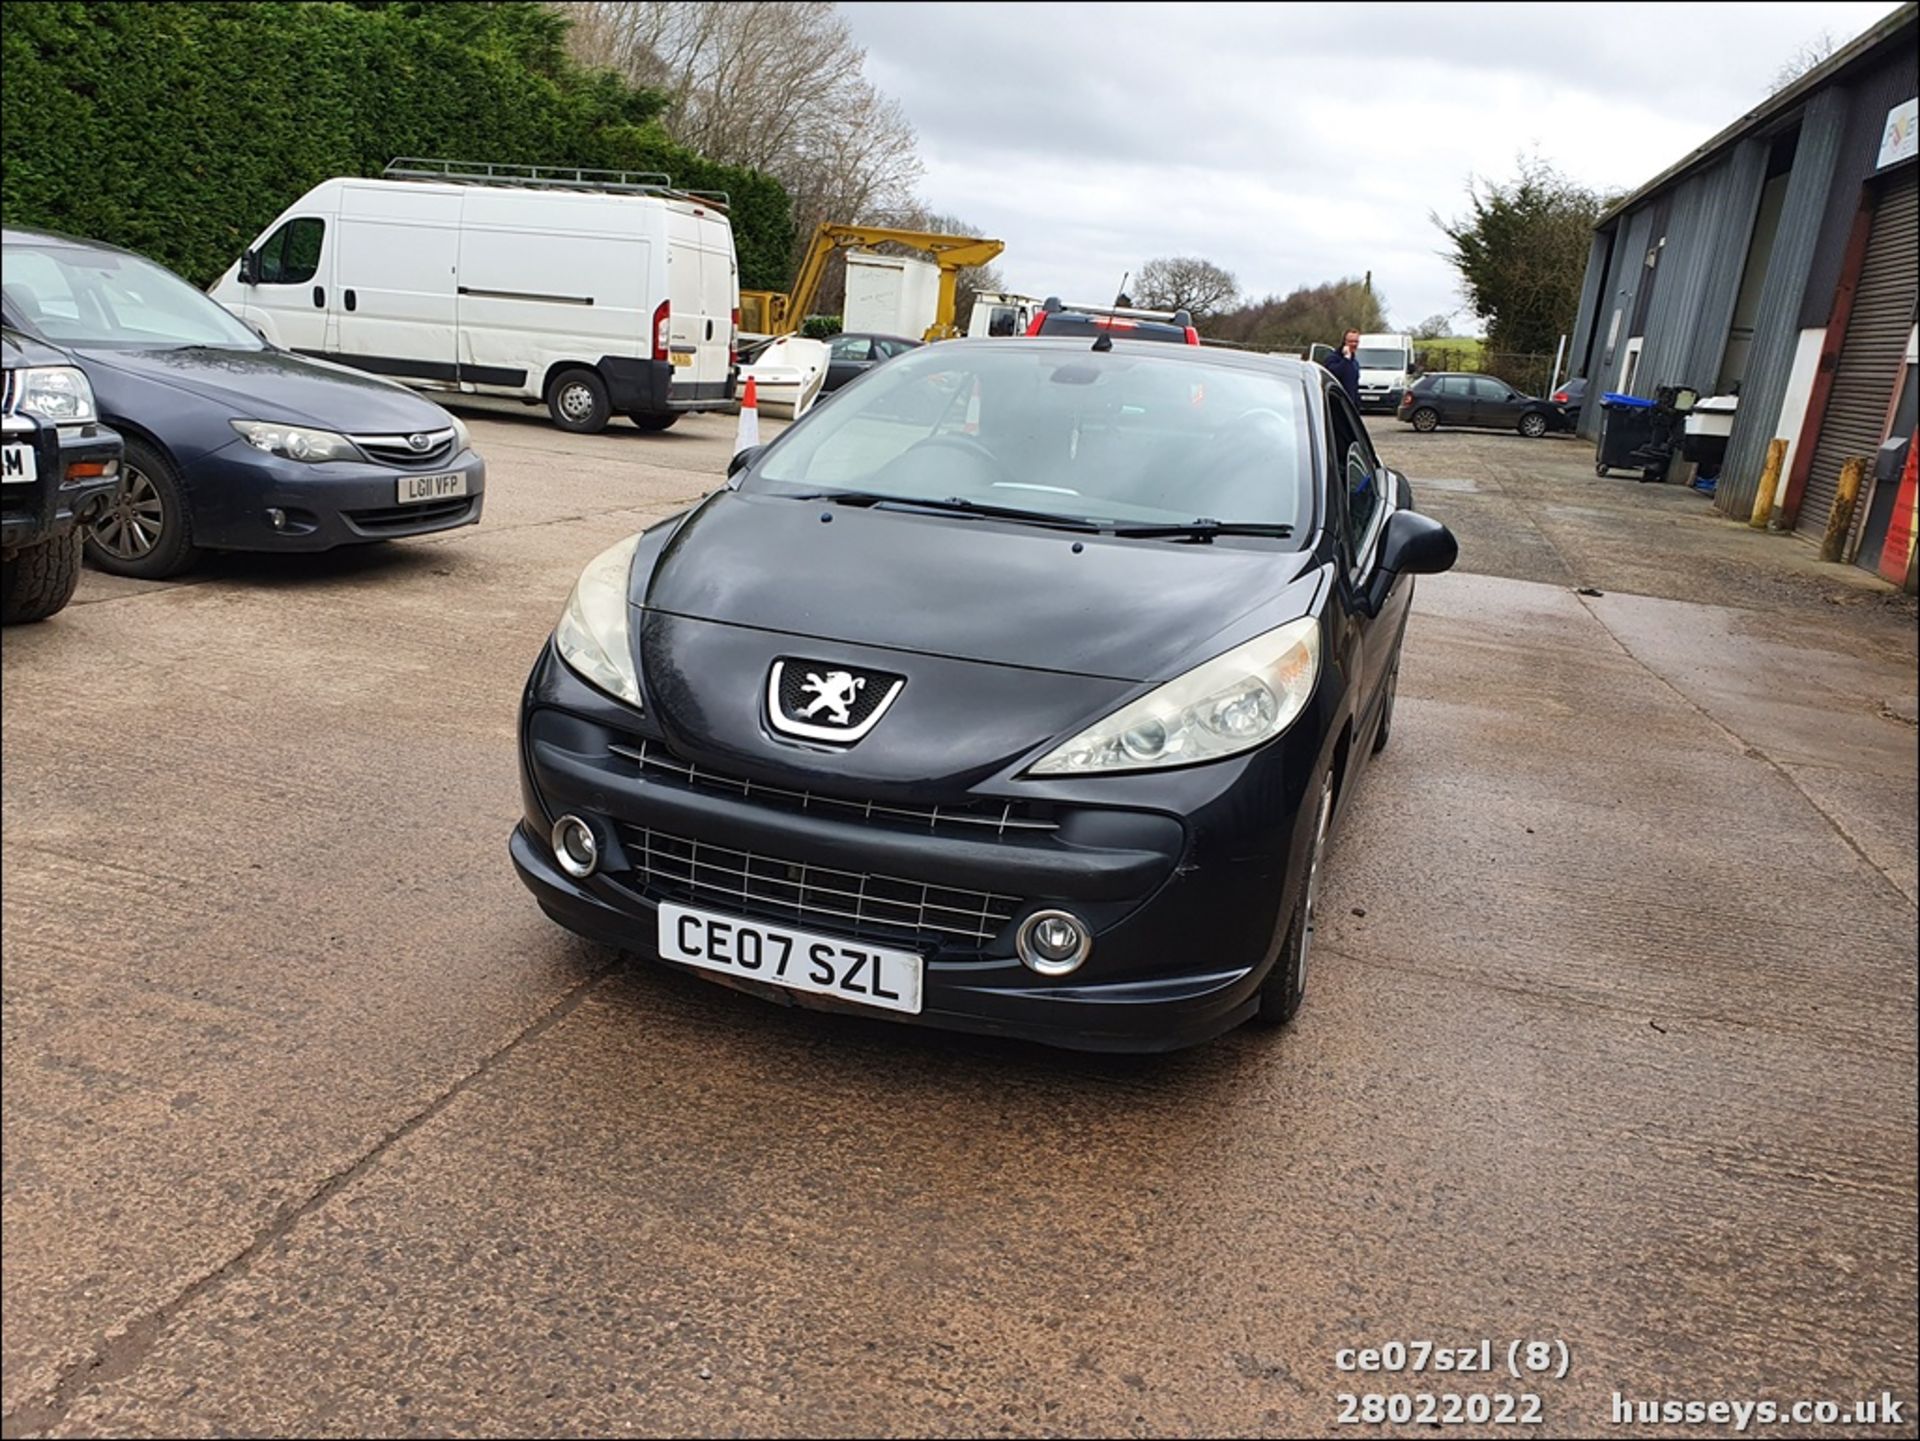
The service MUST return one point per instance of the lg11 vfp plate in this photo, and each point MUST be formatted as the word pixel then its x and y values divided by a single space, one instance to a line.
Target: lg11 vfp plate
pixel 416 488
pixel 779 955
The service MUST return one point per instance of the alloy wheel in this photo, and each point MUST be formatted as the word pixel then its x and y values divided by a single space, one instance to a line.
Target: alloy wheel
pixel 1533 426
pixel 1313 880
pixel 133 527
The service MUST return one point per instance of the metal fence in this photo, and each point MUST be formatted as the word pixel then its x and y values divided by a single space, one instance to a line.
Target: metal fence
pixel 1524 370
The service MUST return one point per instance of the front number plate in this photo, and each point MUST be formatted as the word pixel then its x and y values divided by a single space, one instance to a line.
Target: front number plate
pixel 416 488
pixel 798 960
pixel 20 466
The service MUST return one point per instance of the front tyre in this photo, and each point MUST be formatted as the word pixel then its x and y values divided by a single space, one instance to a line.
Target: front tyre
pixel 146 532
pixel 1384 729
pixel 38 580
pixel 1533 425
pixel 578 401
pixel 1286 985
pixel 1426 419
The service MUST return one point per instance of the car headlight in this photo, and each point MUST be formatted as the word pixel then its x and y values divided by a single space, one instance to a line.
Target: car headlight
pixel 59 393
pixel 593 636
pixel 461 439
pixel 1229 704
pixel 295 442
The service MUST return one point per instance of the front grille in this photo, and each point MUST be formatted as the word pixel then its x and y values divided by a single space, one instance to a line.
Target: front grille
pixel 847 902
pixel 406 517
pixel 394 449
pixel 6 400
pixel 1000 817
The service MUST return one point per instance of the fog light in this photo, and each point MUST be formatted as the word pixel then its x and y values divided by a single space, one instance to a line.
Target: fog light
pixel 574 847
pixel 1053 942
pixel 276 518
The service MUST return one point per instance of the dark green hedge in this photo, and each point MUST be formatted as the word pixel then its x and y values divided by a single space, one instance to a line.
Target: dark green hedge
pixel 180 130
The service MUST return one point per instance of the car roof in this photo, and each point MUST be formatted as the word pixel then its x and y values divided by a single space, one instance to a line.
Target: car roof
pixel 874 335
pixel 57 240
pixel 1218 358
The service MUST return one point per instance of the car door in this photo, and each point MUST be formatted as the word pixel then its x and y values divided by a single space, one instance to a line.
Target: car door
pixel 1359 500
pixel 1495 403
pixel 1453 398
pixel 848 356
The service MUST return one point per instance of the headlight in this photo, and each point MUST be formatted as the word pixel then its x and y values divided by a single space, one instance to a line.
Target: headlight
pixel 1230 704
pixel 295 442
pixel 592 636
pixel 461 440
pixel 59 393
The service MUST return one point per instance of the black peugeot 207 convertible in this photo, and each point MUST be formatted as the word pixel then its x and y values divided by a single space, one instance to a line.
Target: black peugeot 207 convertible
pixel 1016 691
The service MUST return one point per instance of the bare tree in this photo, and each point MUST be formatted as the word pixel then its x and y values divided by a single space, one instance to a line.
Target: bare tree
pixel 1185 282
pixel 1809 54
pixel 762 83
pixel 1437 326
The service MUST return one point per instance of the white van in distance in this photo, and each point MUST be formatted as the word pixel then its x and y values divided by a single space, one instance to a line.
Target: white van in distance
pixel 593 292
pixel 1386 369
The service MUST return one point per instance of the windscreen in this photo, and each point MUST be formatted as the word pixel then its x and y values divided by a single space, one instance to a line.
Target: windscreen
pixel 101 297
pixel 1395 360
pixel 1127 436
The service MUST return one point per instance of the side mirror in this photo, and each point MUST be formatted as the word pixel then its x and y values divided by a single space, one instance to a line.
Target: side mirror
pixel 742 459
pixel 249 267
pixel 1414 544
pixel 1402 491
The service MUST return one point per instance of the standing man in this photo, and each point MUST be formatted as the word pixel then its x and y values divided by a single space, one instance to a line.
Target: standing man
pixel 1345 365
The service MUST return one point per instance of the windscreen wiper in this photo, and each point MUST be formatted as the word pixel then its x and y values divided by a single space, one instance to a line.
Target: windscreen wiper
pixel 1204 529
pixel 955 505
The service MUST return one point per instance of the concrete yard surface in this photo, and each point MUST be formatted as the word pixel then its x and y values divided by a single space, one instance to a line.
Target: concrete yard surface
pixel 314 1124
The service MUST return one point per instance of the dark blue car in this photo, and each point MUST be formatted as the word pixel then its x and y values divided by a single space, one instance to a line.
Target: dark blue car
pixel 232 443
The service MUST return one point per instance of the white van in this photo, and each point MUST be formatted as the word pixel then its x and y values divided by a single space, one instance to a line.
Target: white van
pixel 593 292
pixel 1386 369
pixel 1001 314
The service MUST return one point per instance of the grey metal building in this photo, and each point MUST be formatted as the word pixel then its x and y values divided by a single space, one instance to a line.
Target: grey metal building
pixel 1779 261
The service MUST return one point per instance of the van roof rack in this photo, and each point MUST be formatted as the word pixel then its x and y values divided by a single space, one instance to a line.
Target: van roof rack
pixel 545 177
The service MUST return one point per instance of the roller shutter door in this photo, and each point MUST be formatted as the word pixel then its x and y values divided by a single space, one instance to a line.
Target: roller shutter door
pixel 1883 308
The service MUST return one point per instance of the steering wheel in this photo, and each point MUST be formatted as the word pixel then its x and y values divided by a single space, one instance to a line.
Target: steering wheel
pixel 967 445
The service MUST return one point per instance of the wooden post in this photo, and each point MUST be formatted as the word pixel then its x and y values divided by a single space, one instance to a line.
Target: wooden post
pixel 1769 483
pixel 1840 518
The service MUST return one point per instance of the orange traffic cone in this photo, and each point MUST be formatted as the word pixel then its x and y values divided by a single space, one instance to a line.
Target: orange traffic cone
pixel 748 435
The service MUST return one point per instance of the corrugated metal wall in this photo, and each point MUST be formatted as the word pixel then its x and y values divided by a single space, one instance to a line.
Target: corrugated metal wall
pixel 1708 231
pixel 1869 97
pixel 1628 273
pixel 1776 326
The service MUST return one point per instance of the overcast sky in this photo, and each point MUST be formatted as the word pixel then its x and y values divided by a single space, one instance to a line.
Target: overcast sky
pixel 1294 144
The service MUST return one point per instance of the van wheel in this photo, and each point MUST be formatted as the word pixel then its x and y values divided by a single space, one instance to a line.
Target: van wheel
pixel 146 532
pixel 654 420
pixel 578 402
pixel 1426 419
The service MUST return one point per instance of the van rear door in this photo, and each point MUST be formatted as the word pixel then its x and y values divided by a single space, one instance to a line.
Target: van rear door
pixel 392 305
pixel 703 289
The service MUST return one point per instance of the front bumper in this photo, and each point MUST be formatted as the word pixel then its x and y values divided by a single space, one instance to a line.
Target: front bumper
pixel 1184 876
pixel 234 490
pixel 56 500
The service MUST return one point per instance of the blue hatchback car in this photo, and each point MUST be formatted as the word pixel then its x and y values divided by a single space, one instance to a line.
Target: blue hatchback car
pixel 232 443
